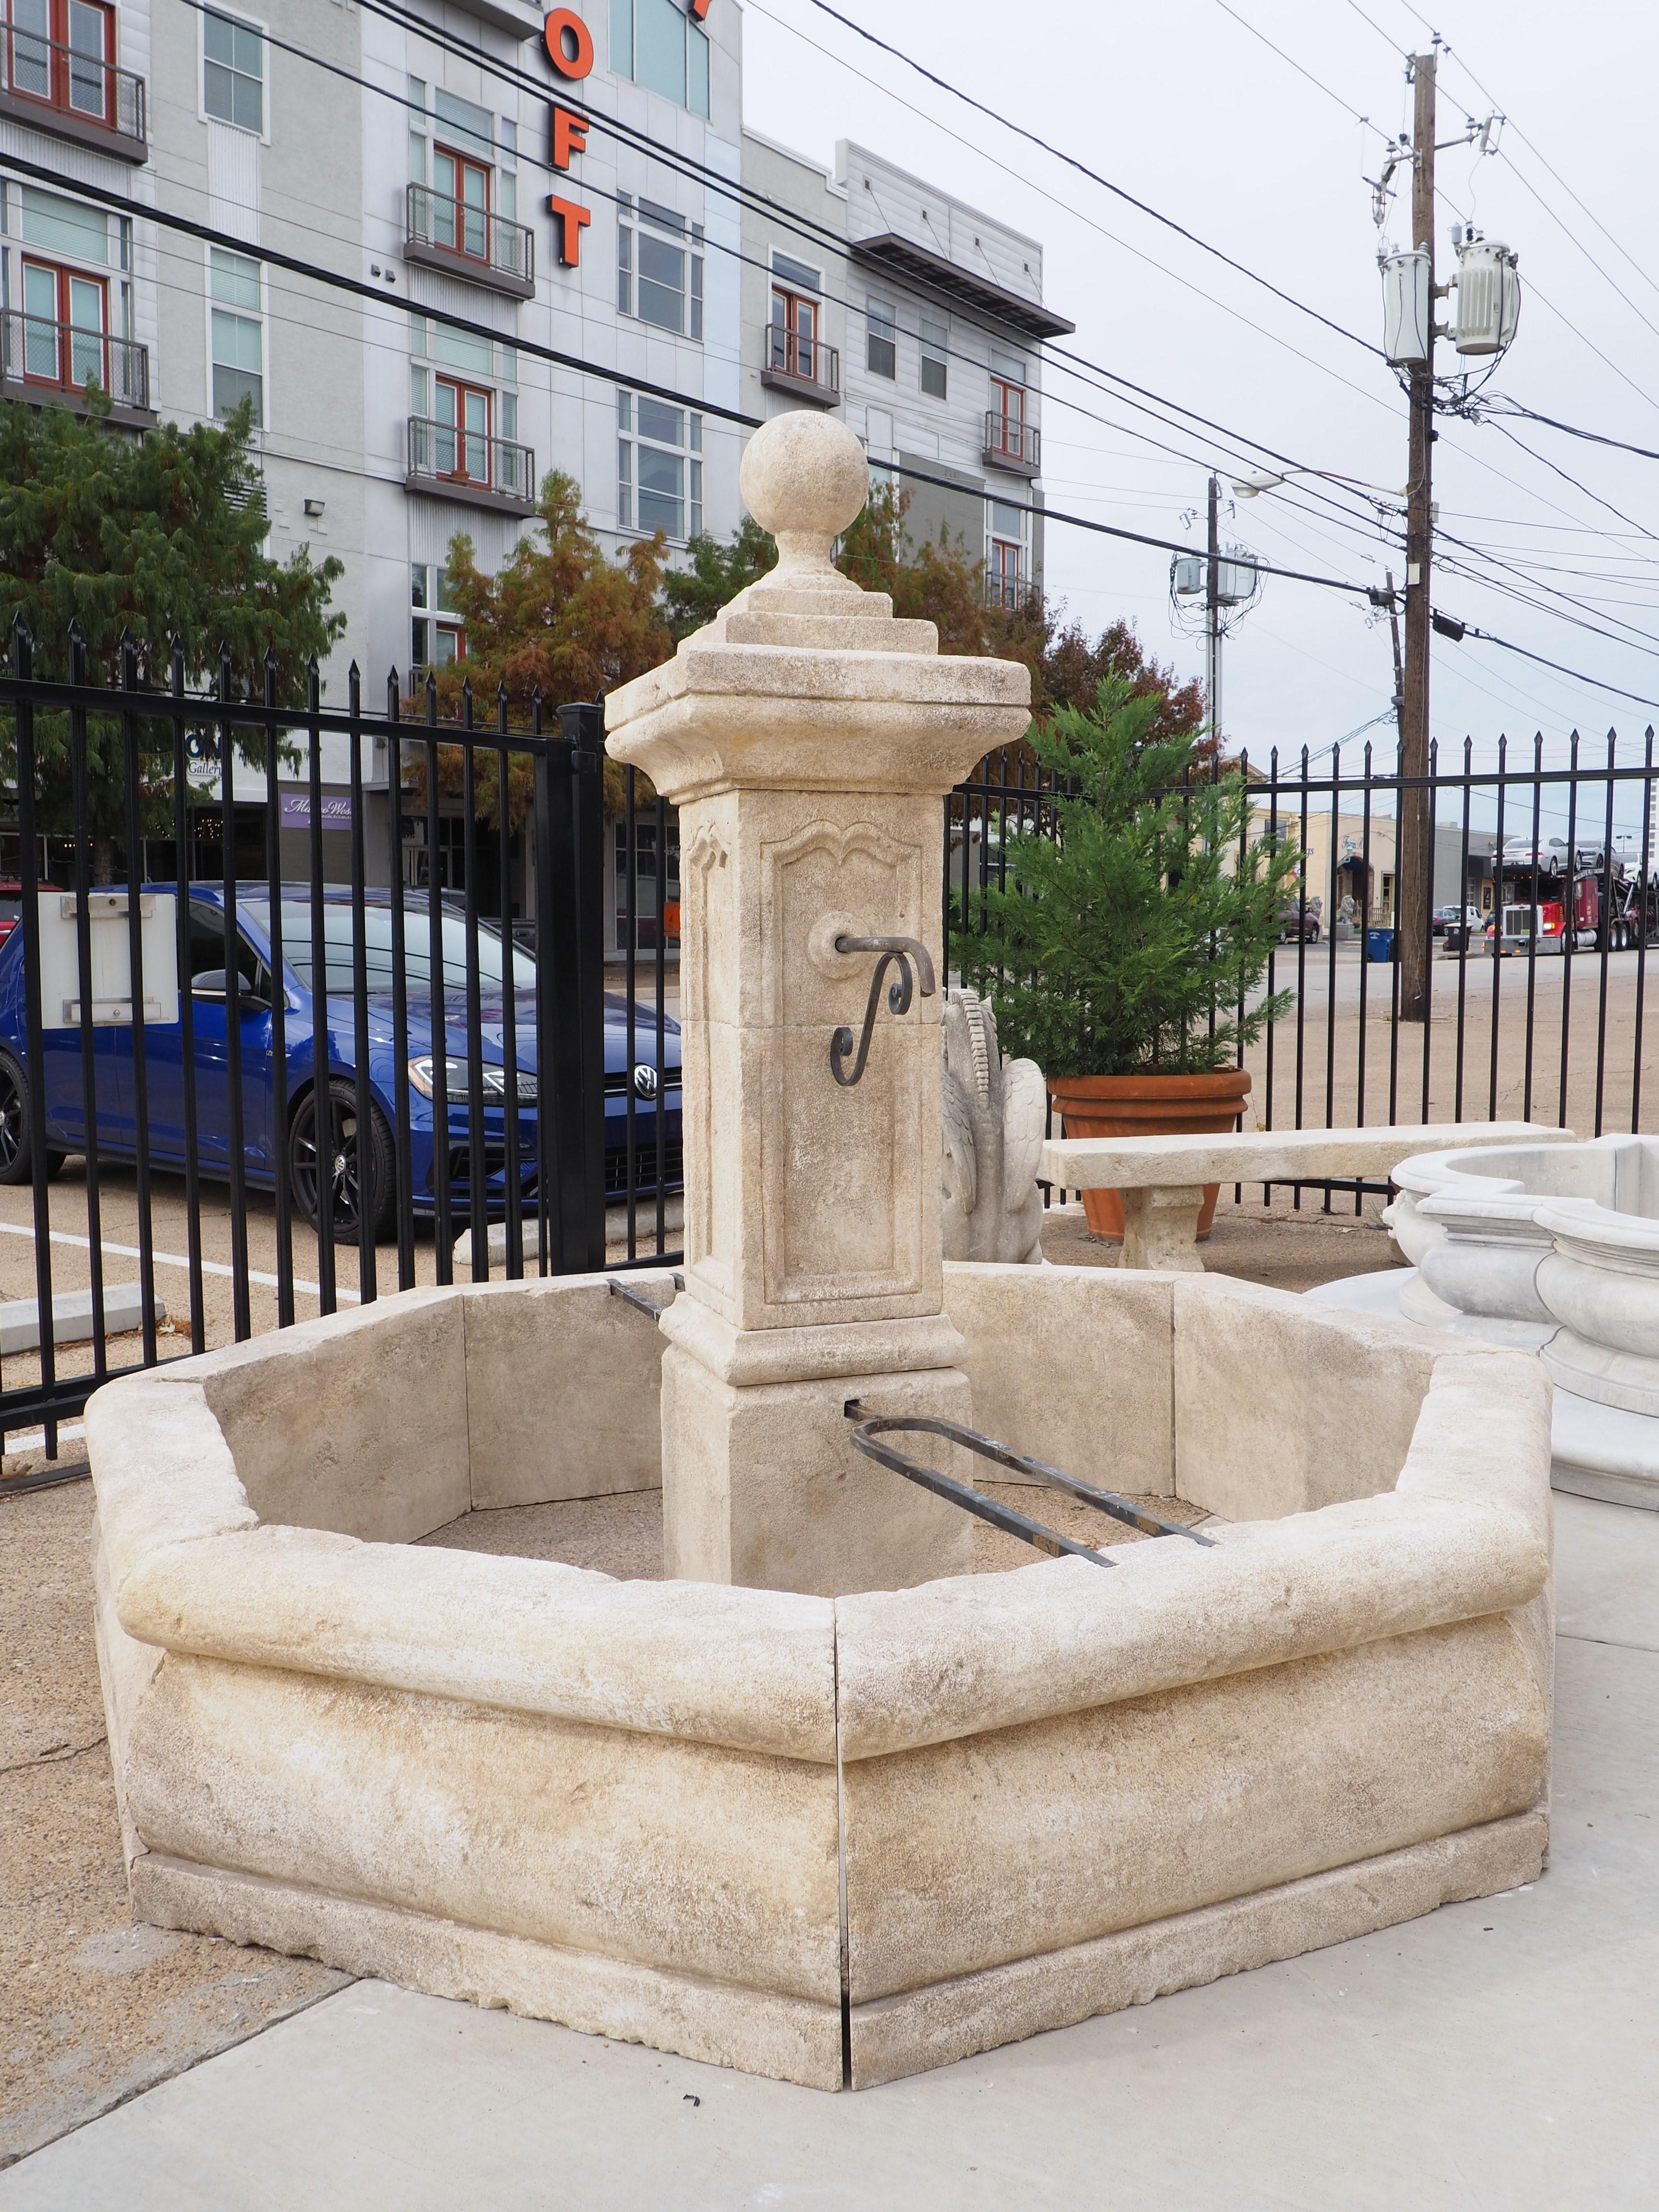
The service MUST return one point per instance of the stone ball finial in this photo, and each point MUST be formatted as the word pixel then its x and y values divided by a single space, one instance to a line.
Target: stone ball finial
pixel 804 478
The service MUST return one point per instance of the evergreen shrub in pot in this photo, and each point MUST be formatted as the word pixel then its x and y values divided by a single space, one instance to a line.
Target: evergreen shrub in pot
pixel 1122 954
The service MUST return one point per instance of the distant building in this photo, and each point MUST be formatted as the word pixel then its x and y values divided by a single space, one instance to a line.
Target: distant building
pixel 922 331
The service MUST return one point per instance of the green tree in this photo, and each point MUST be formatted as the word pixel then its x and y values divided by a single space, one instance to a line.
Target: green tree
pixel 156 538
pixel 1148 918
pixel 695 595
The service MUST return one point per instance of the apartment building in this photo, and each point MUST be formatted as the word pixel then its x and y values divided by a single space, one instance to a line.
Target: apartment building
pixel 575 184
pixel 423 150
pixel 919 318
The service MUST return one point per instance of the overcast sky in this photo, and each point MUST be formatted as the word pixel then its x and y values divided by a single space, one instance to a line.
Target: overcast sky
pixel 1189 110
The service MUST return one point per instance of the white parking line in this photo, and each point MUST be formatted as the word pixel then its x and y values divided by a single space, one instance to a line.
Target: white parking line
pixel 35 1439
pixel 174 1260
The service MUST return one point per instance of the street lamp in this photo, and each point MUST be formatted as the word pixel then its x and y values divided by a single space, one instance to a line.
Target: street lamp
pixel 1249 487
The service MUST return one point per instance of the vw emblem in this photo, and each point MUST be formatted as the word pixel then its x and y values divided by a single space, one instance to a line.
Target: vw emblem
pixel 645 1081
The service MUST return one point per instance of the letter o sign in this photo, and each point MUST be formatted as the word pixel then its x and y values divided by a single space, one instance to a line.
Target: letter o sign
pixel 568 42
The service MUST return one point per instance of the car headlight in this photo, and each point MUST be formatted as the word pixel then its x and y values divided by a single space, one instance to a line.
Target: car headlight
pixel 457 1083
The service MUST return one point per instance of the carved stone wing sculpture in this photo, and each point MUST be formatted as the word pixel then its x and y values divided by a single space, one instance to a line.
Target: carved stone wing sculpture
pixel 995 1114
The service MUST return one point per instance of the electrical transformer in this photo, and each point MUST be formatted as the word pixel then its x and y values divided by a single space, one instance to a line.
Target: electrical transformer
pixel 1186 575
pixel 1406 309
pixel 1236 577
pixel 1488 297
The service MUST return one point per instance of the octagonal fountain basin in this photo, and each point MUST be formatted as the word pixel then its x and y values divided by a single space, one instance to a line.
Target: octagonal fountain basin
pixel 834 1840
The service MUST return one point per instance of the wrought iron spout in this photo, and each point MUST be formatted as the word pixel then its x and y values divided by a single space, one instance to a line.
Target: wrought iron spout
pixel 898 951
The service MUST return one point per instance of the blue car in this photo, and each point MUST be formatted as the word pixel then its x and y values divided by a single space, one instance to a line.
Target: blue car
pixel 292 1150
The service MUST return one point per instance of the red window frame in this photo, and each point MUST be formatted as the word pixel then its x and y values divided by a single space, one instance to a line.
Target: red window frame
pixel 61 61
pixel 460 207
pixel 1008 404
pixel 65 333
pixel 796 316
pixel 1007 578
pixel 463 433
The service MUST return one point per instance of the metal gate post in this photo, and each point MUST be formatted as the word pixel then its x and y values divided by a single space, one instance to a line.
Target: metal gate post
pixel 584 725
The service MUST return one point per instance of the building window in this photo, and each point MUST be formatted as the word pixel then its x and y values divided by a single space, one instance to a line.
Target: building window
pixel 656 43
pixel 1004 562
pixel 463 413
pixel 659 267
pixel 935 345
pixel 434 641
pixel 881 338
pixel 65 322
pixel 61 52
pixel 658 467
pixel 238 333
pixel 233 72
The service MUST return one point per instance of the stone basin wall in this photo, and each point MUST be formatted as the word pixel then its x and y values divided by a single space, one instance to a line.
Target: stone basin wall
pixel 832 1840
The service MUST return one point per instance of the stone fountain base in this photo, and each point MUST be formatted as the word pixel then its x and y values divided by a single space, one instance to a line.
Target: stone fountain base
pixel 831 1840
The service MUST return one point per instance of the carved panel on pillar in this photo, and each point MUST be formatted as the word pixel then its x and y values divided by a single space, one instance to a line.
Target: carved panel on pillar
pixel 846 1201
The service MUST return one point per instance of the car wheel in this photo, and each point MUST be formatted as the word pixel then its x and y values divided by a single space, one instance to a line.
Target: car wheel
pixel 16 1128
pixel 344 1171
pixel 1313 933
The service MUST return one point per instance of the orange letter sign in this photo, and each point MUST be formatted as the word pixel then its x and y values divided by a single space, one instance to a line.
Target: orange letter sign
pixel 573 221
pixel 699 9
pixel 570 136
pixel 570 47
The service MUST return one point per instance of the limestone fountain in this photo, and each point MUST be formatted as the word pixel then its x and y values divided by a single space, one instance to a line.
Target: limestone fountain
pixel 824 1804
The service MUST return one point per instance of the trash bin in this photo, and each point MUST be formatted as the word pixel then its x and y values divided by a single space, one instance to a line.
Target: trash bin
pixel 1379 945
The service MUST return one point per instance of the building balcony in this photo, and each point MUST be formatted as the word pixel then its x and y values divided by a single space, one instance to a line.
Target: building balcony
pixel 470 466
pixel 77 96
pixel 44 362
pixel 445 234
pixel 804 368
pixel 1012 444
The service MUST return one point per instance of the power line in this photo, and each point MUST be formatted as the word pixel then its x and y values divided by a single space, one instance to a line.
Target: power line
pixel 1076 214
pixel 1094 176
pixel 1070 363
pixel 1290 62
pixel 1593 437
pixel 1577 674
pixel 337 282
pixel 1078 366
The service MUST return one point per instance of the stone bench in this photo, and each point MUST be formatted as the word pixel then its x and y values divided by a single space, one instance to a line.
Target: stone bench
pixel 1162 1179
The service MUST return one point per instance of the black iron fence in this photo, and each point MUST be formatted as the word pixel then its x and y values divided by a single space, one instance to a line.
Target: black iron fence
pixel 400 990
pixel 1539 903
pixel 314 981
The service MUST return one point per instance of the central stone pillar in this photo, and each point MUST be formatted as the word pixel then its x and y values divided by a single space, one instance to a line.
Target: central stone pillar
pixel 808 740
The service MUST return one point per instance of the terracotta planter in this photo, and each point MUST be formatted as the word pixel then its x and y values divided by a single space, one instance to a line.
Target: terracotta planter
pixel 1146 1106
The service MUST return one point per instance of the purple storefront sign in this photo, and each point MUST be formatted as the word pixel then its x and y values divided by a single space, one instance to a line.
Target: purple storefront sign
pixel 296 810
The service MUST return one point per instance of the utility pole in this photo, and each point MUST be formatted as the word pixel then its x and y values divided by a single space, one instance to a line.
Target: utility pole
pixel 1414 861
pixel 1398 666
pixel 1212 614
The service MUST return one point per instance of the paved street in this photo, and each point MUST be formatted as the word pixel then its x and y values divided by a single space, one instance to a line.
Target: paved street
pixel 1498 2055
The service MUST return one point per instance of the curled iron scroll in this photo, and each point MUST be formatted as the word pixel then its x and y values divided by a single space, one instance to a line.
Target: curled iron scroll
pixel 898 951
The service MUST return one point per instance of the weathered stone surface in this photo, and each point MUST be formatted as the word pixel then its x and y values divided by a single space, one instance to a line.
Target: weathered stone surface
pixel 998 1846
pixel 356 1422
pixel 561 1388
pixel 1050 1349
pixel 670 1854
pixel 761 1486
pixel 934 2026
pixel 1272 1417
pixel 753 1668
pixel 609 1802
pixel 720 2021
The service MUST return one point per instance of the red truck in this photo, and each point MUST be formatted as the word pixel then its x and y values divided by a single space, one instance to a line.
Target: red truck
pixel 1585 900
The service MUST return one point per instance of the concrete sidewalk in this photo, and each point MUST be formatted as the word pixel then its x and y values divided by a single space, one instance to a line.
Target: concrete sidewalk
pixel 1499 2055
